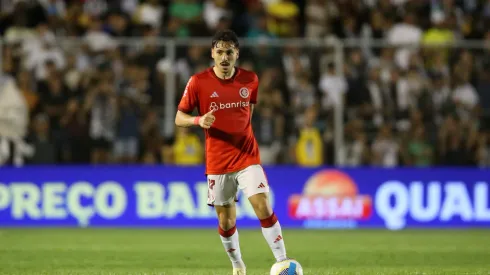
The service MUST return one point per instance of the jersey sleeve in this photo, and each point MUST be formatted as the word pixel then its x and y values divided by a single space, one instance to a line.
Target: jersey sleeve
pixel 255 90
pixel 189 99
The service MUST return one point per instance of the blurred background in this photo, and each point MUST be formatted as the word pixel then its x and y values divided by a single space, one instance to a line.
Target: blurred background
pixel 345 82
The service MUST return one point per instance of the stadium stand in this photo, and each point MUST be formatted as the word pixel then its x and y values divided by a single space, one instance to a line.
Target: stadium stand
pixel 71 93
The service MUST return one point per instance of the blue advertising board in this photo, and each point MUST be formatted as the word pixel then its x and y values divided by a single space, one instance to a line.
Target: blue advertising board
pixel 164 196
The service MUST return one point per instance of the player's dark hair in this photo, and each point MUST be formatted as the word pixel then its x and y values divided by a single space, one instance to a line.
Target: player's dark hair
pixel 225 36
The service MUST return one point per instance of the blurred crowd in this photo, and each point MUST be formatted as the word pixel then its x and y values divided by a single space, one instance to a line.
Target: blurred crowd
pixel 414 82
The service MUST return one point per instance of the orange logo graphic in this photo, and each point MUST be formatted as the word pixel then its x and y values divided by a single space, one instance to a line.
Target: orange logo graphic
pixel 330 195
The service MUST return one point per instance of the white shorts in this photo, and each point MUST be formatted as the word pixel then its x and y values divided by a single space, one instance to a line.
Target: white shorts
pixel 223 189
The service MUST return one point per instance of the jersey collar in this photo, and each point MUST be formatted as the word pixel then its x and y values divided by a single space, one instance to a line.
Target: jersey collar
pixel 231 79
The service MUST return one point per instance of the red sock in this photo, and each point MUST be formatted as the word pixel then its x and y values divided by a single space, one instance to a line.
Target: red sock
pixel 269 222
pixel 227 233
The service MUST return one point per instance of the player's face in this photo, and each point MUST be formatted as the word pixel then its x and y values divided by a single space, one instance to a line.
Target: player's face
pixel 225 55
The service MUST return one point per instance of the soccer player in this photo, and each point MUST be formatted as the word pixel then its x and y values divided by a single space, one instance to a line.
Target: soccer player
pixel 224 96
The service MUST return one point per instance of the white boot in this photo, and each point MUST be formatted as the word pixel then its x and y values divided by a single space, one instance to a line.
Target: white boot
pixel 239 271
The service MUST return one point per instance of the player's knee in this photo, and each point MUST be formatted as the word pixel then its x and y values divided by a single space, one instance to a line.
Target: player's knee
pixel 227 223
pixel 226 217
pixel 263 210
pixel 261 205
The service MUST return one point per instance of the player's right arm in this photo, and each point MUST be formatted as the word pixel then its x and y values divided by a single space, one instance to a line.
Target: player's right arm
pixel 185 120
pixel 187 104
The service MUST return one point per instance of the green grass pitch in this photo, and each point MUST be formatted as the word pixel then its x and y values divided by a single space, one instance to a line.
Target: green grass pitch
pixel 165 252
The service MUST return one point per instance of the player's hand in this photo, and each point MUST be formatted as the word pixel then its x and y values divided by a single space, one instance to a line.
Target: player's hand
pixel 207 120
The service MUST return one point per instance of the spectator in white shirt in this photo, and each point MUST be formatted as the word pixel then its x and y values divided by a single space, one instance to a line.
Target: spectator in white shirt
pixel 385 148
pixel 213 11
pixel 333 88
pixel 407 36
pixel 464 95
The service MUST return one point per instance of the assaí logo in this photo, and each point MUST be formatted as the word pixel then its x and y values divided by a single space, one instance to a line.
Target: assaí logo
pixel 330 195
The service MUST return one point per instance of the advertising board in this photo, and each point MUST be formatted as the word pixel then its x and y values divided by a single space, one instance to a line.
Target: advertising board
pixel 175 197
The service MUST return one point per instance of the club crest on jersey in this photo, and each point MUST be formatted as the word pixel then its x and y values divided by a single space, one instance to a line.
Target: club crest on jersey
pixel 244 92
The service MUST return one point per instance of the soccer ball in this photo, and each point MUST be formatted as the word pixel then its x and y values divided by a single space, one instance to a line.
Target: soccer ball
pixel 287 267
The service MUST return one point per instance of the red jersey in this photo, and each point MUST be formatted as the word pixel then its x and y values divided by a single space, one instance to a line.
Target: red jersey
pixel 230 142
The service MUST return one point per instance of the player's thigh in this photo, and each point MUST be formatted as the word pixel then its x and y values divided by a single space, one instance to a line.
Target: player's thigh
pixel 252 180
pixel 221 190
